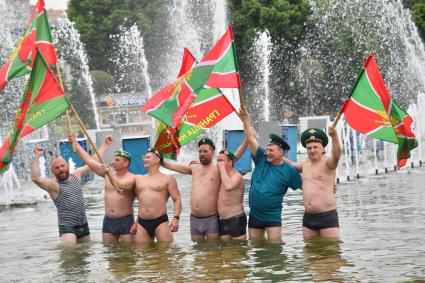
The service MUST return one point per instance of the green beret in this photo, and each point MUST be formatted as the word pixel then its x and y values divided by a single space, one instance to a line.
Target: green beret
pixel 314 135
pixel 206 141
pixel 275 139
pixel 124 153
pixel 156 152
pixel 230 155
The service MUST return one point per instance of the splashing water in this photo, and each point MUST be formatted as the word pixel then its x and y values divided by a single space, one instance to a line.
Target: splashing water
pixel 130 61
pixel 263 50
pixel 73 53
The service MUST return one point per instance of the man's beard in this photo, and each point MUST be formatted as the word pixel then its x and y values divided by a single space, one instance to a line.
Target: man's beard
pixel 205 161
pixel 63 176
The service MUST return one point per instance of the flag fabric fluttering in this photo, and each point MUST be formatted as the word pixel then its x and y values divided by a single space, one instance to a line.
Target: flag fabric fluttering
pixel 43 101
pixel 37 35
pixel 370 110
pixel 218 69
pixel 209 108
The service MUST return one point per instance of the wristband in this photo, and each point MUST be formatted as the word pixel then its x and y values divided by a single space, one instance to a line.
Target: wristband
pixel 177 217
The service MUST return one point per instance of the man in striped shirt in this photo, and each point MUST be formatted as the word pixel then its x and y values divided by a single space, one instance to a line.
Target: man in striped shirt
pixel 67 195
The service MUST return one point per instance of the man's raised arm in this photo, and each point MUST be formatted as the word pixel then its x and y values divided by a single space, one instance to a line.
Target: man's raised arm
pixel 48 185
pixel 332 161
pixel 241 149
pixel 248 131
pixel 84 170
pixel 229 182
pixel 94 165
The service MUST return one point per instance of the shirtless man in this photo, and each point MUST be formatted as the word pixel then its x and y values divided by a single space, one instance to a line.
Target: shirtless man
pixel 67 195
pixel 204 195
pixel 153 191
pixel 119 217
pixel 318 179
pixel 230 199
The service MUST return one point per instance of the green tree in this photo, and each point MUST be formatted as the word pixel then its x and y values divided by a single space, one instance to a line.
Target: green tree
pixel 285 22
pixel 103 82
pixel 419 17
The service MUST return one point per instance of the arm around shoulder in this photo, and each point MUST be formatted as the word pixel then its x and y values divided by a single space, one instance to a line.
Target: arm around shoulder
pixel 296 165
pixel 183 169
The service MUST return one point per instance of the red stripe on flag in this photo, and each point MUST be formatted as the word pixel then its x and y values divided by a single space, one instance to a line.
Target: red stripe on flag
pixel 360 118
pixel 377 82
pixel 187 62
pixel 185 99
pixel 3 75
pixel 219 107
pixel 231 80
pixel 48 51
pixel 405 129
pixel 50 89
pixel 220 47
pixel 159 98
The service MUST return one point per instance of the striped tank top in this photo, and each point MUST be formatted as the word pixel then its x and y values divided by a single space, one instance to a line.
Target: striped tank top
pixel 70 203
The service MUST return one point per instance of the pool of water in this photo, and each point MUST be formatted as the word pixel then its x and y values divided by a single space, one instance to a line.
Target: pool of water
pixel 382 227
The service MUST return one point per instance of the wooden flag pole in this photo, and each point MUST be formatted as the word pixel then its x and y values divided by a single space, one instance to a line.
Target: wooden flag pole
pixel 340 113
pixel 77 117
pixel 68 117
pixel 337 119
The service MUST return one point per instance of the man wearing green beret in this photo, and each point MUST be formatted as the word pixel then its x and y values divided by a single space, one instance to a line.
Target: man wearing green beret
pixel 318 178
pixel 153 191
pixel 204 195
pixel 269 183
pixel 118 221
pixel 232 224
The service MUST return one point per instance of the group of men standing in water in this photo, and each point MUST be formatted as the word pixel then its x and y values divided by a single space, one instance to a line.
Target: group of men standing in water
pixel 216 200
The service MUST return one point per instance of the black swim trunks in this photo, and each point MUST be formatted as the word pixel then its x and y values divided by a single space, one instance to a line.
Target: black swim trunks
pixel 323 220
pixel 150 225
pixel 79 230
pixel 262 224
pixel 118 226
pixel 234 226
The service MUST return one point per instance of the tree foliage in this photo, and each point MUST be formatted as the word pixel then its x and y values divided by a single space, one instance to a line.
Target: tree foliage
pixel 418 12
pixel 98 20
pixel 284 20
pixel 103 82
pixel 417 8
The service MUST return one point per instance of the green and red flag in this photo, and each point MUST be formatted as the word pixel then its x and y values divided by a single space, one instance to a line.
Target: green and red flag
pixel 209 108
pixel 37 35
pixel 43 101
pixel 370 110
pixel 218 69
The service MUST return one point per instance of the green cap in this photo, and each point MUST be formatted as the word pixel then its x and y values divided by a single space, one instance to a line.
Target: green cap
pixel 156 152
pixel 206 141
pixel 275 139
pixel 124 153
pixel 314 135
pixel 230 155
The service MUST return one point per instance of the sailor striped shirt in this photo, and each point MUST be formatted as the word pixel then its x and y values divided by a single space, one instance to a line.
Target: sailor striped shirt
pixel 70 203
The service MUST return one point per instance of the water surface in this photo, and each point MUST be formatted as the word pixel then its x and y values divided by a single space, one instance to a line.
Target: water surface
pixel 381 219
